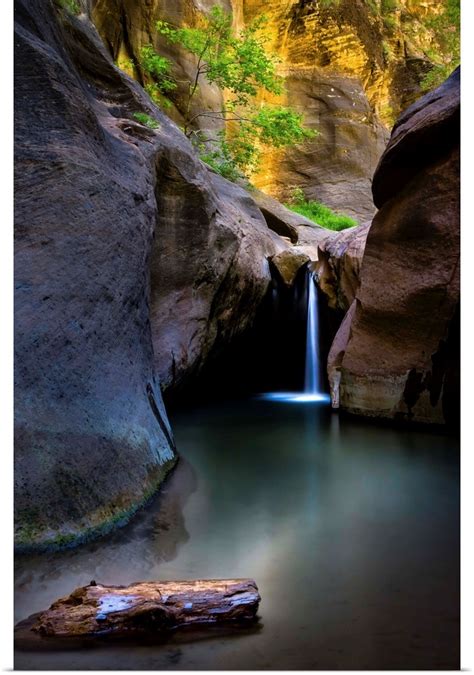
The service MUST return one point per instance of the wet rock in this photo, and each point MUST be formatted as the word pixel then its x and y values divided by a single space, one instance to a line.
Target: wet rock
pixel 336 355
pixel 402 355
pixel 287 264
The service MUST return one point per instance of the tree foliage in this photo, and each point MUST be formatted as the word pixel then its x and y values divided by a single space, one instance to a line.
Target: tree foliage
pixel 240 66
pixel 445 53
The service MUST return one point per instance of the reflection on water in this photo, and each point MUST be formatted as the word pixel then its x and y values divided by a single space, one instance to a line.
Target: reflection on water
pixel 350 530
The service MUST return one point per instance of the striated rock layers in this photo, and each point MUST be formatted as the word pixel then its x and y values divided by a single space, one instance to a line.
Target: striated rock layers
pixel 350 66
pixel 398 357
pixel 133 264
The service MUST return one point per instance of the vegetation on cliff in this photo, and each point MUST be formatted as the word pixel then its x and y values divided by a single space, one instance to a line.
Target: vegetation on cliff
pixel 241 66
pixel 446 51
pixel 319 213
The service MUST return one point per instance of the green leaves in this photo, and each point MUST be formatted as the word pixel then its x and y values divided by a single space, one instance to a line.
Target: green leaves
pixel 274 126
pixel 445 53
pixel 241 66
pixel 158 67
pixel 319 213
pixel 279 126
pixel 146 120
pixel 239 63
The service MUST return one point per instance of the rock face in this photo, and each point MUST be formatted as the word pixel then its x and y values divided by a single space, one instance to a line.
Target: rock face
pixel 210 266
pixel 209 271
pixel 339 265
pixel 350 66
pixel 92 437
pixel 400 358
pixel 134 264
pixel 127 25
pixel 337 166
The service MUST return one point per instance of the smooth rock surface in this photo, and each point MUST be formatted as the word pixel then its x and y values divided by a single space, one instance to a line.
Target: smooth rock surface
pixel 92 440
pixel 135 264
pixel 210 269
pixel 287 264
pixel 402 355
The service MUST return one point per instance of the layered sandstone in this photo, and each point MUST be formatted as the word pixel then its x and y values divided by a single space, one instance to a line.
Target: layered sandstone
pixel 350 67
pixel 398 357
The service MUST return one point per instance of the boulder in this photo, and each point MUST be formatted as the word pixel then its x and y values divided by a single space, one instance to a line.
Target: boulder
pixel 92 439
pixel 401 360
pixel 340 260
pixel 133 264
pixel 209 268
pixel 284 221
pixel 287 263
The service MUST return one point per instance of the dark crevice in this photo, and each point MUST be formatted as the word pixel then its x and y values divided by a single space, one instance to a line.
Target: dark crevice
pixel 156 412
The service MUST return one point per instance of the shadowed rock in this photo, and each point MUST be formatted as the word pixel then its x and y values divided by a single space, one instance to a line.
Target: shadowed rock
pixel 92 440
pixel 134 264
pixel 340 260
pixel 402 354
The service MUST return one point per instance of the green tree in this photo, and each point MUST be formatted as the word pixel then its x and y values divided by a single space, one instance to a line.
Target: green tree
pixel 445 53
pixel 241 66
pixel 157 75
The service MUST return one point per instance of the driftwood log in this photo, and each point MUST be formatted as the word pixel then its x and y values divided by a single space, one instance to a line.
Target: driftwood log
pixel 149 607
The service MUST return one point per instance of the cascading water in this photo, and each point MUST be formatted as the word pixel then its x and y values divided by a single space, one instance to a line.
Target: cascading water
pixel 311 376
pixel 312 380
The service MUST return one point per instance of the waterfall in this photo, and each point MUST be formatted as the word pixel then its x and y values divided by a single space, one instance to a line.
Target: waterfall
pixel 311 376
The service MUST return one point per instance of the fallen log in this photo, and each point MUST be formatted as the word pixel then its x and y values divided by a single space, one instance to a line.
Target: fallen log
pixel 149 607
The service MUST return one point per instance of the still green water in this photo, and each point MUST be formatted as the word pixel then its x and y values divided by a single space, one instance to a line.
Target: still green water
pixel 351 531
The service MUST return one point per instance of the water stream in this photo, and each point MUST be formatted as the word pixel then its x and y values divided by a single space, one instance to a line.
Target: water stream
pixel 350 530
pixel 312 383
pixel 313 390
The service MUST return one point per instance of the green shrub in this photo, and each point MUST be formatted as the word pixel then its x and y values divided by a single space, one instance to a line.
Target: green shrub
pixel 157 67
pixel 445 50
pixel 153 91
pixel 240 65
pixel 387 6
pixel 146 120
pixel 319 213
pixel 71 6
pixel 390 23
pixel 125 64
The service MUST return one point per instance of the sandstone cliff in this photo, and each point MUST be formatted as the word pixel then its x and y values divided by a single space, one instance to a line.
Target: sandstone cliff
pixel 397 353
pixel 350 66
pixel 133 264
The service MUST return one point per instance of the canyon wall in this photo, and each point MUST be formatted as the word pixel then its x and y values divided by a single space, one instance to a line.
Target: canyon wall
pixel 396 354
pixel 350 66
pixel 133 264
